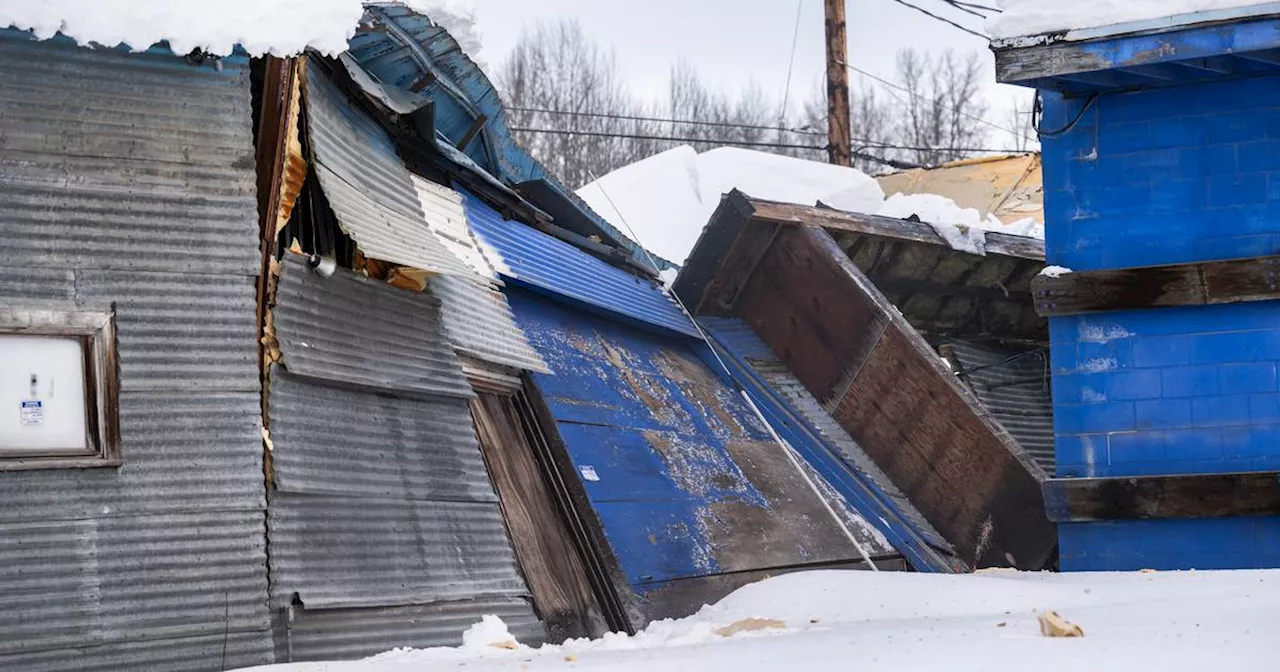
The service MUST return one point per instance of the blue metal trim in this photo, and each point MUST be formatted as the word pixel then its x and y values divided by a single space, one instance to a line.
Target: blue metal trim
pixel 560 271
pixel 865 498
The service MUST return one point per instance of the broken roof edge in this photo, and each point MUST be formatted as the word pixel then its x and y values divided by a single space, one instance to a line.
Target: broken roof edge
pixel 471 88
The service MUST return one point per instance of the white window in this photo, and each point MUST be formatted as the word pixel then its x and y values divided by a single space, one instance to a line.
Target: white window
pixel 57 390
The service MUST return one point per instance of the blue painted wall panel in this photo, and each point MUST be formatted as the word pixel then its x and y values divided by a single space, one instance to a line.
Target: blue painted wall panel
pixel 551 266
pixel 1161 176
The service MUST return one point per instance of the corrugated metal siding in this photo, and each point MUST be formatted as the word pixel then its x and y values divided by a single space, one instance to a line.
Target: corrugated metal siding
pixel 479 322
pixel 544 263
pixel 362 552
pixel 1016 391
pixel 353 330
pixel 122 161
pixel 129 179
pixel 447 219
pixel 366 182
pixel 335 634
pixel 366 444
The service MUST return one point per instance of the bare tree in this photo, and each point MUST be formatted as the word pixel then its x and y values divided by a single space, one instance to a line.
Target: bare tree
pixel 1019 120
pixel 558 79
pixel 944 113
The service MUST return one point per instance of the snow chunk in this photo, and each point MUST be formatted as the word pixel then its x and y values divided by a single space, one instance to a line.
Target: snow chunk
pixel 1055 271
pixel 1037 17
pixel 490 632
pixel 962 228
pixel 279 27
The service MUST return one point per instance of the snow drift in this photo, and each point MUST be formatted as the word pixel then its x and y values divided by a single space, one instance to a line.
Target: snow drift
pixel 907 622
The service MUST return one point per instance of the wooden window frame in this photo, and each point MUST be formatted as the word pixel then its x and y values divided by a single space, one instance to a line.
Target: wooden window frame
pixel 96 332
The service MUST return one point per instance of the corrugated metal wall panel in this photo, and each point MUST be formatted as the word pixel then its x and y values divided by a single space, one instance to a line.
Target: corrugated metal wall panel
pixel 367 183
pixel 336 634
pixel 183 654
pixel 357 552
pixel 479 322
pixel 75 583
pixel 124 161
pixel 349 329
pixel 1013 384
pixel 357 443
pixel 448 220
pixel 128 179
pixel 534 258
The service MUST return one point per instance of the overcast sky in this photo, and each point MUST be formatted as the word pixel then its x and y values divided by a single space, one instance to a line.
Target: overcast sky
pixel 733 42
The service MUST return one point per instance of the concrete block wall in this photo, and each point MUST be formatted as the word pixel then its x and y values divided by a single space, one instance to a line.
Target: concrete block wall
pixel 1172 175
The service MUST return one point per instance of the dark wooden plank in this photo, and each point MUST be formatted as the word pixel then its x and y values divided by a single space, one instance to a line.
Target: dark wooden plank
pixel 556 574
pixel 1153 497
pixel 888 227
pixel 799 302
pixel 1204 283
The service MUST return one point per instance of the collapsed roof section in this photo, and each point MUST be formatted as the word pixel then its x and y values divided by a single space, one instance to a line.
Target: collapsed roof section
pixel 846 301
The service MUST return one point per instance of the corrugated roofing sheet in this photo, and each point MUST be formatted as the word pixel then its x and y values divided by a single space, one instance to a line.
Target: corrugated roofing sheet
pixel 337 552
pixel 335 634
pixel 349 329
pixel 114 160
pixel 1013 383
pixel 366 182
pixel 447 218
pixel 543 263
pixel 233 650
pixel 341 441
pixel 479 322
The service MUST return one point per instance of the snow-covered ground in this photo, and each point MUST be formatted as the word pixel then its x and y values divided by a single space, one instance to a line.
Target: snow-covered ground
pixel 1036 17
pixel 905 622
pixel 668 198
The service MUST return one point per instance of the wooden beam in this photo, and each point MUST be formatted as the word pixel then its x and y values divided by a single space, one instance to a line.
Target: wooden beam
pixel 1074 500
pixel 472 132
pixel 1198 284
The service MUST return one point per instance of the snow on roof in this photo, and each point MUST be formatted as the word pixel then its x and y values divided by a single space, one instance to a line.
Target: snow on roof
pixel 1037 17
pixel 668 198
pixel 279 27
pixel 910 622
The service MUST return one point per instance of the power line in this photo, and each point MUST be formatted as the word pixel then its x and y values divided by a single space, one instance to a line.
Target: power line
pixel 966 8
pixel 985 8
pixel 664 120
pixel 943 19
pixel 917 96
pixel 791 62
pixel 861 142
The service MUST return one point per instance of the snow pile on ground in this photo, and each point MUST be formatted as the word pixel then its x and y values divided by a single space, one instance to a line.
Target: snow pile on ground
pixel 279 27
pixel 668 198
pixel 907 622
pixel 1036 17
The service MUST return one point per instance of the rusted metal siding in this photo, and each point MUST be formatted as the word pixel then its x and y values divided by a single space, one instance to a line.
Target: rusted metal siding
pixel 128 179
pixel 354 330
pixel 373 445
pixel 366 182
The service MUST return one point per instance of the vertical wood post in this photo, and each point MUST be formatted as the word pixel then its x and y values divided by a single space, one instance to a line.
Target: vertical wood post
pixel 839 147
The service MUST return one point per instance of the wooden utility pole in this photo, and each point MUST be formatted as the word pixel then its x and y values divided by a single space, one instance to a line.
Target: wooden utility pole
pixel 839 148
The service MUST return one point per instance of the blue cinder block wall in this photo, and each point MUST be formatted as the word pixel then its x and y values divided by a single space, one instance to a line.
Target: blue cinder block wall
pixel 1163 176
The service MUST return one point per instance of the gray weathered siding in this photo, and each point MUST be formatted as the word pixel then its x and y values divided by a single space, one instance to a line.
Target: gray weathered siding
pixel 382 514
pixel 128 179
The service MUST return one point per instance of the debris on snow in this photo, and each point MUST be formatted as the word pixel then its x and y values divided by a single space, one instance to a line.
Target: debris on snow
pixel 1037 17
pixel 751 624
pixel 1053 625
pixel 491 631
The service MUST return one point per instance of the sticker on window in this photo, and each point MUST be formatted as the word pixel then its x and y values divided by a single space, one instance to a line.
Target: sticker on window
pixel 32 412
pixel 589 472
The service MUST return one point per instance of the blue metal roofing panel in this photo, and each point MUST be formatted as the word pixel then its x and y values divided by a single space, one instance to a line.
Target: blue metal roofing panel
pixel 684 479
pixel 409 51
pixel 548 265
pixel 831 452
